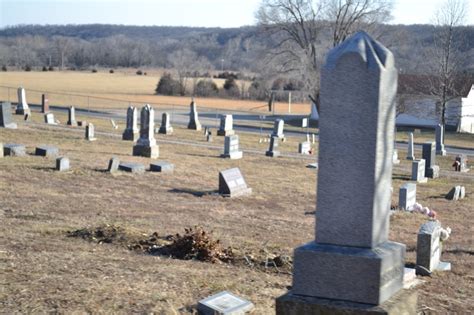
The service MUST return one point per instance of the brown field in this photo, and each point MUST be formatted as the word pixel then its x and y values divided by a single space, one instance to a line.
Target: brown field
pixel 116 90
pixel 44 270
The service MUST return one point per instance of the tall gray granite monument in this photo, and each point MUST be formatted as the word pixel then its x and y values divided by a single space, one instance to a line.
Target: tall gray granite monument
pixel 6 120
pixel 440 140
pixel 410 149
pixel 227 126
pixel 131 130
pixel 146 145
pixel 193 117
pixel 22 107
pixel 165 127
pixel 71 121
pixel 429 154
pixel 351 264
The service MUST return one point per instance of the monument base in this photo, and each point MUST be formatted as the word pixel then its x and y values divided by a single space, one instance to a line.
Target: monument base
pixel 73 123
pixel 194 126
pixel 146 151
pixel 233 155
pixel 441 152
pixel 411 158
pixel 272 153
pixel 10 126
pixel 21 111
pixel 129 135
pixel 432 172
pixel 403 302
pixel 165 131
pixel 225 132
pixel 357 274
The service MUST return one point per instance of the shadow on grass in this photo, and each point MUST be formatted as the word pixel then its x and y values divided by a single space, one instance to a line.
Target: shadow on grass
pixel 204 155
pixel 440 196
pixel 194 192
pixel 44 168
pixel 401 177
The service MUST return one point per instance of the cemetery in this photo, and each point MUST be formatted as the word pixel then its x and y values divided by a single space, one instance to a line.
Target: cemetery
pixel 148 216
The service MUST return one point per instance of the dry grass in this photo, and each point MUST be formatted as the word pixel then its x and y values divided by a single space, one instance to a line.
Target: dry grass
pixel 44 270
pixel 122 86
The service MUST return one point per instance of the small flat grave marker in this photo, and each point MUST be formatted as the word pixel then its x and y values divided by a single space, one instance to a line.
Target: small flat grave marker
pixel 46 151
pixel 49 119
pixel 14 149
pixel 224 303
pixel 114 163
pixel 62 164
pixel 232 183
pixel 132 167
pixel 162 166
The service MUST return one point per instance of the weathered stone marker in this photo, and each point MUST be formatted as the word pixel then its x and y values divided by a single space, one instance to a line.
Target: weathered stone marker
pixel 304 147
pixel 165 127
pixel 231 148
pixel 278 128
pixel 1 150
pixel 46 151
pixel 428 249
pixel 132 167
pixel 146 145
pixel 71 120
pixel 131 130
pixel 6 120
pixel 209 136
pixel 44 103
pixel 22 107
pixel 351 258
pixel 162 167
pixel 90 132
pixel 273 148
pixel 62 164
pixel 232 184
pixel 429 154
pixel 14 149
pixel 440 140
pixel 49 119
pixel 418 171
pixel 456 193
pixel 114 163
pixel 460 163
pixel 224 303
pixel 410 149
pixel 407 196
pixel 193 117
pixel 227 126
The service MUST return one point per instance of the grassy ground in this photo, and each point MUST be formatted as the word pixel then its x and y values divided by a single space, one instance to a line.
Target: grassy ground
pixel 44 270
pixel 121 87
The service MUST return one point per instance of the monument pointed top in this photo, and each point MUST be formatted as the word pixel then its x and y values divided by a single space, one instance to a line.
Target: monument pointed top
pixel 373 53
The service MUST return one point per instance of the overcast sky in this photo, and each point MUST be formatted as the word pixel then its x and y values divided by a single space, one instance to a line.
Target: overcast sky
pixel 209 13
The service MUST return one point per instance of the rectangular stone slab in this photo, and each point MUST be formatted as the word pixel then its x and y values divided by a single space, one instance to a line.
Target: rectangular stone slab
pixel 14 149
pixel 224 303
pixel 163 167
pixel 132 167
pixel 232 183
pixel 62 164
pixel 47 151
pixel 6 120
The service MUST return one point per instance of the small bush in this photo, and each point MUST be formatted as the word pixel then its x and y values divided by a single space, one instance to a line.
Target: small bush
pixel 4 68
pixel 111 71
pixel 206 88
pixel 44 69
pixel 231 88
pixel 28 68
pixel 144 73
pixel 50 68
pixel 94 70
pixel 167 85
pixel 139 72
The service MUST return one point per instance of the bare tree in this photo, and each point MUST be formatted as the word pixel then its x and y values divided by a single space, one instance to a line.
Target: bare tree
pixel 301 26
pixel 62 44
pixel 182 61
pixel 446 55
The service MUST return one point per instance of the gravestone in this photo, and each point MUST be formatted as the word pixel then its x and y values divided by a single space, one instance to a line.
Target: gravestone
pixel 395 159
pixel 46 151
pixel 224 303
pixel 456 193
pixel 22 107
pixel 165 127
pixel 90 132
pixel 410 150
pixel 44 103
pixel 14 149
pixel 418 171
pixel 226 126
pixel 272 149
pixel 162 166
pixel 429 248
pixel 440 140
pixel 351 263
pixel 6 120
pixel 429 155
pixel 146 145
pixel 460 163
pixel 304 147
pixel 232 183
pixel 49 119
pixel 209 136
pixel 278 128
pixel 313 138
pixel 231 148
pixel 62 164
pixel 1 150
pixel 407 196
pixel 114 163
pixel 71 121
pixel 82 123
pixel 132 167
pixel 131 130
pixel 206 131
pixel 114 125
pixel 193 117
pixel 304 123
